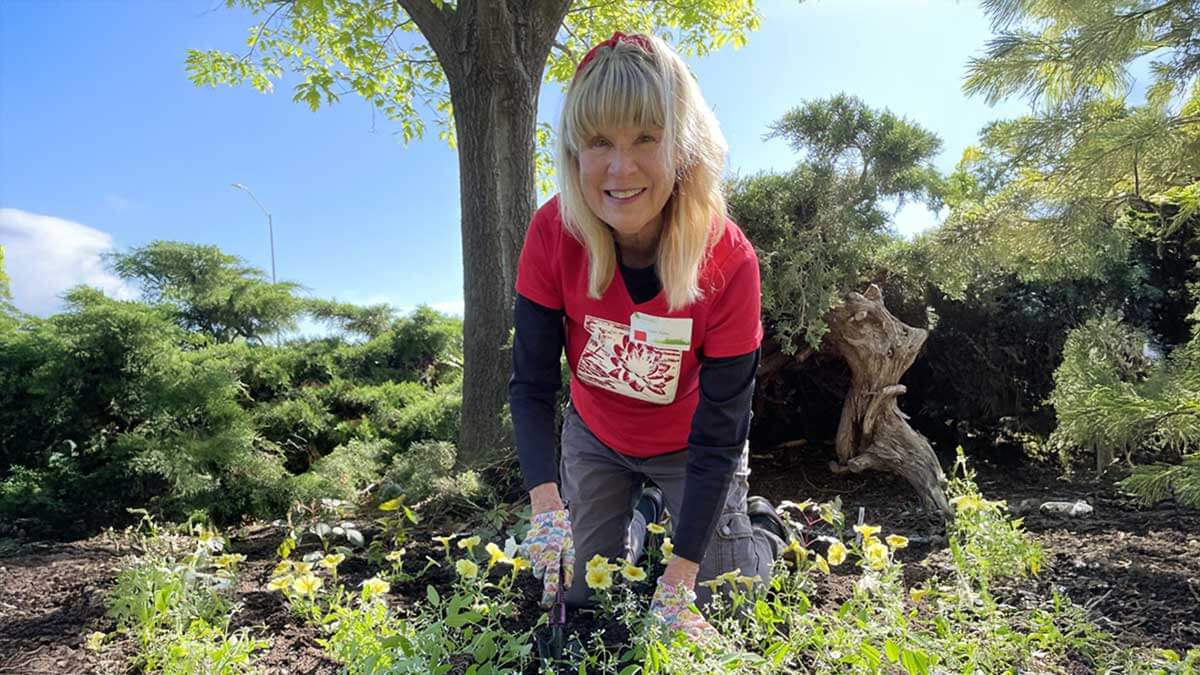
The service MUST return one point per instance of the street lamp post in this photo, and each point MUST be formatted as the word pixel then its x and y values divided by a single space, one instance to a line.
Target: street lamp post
pixel 270 225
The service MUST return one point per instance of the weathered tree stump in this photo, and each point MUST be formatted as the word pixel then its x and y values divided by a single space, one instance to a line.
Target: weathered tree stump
pixel 873 433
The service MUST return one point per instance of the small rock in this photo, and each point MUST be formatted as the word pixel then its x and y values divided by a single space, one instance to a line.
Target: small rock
pixel 1076 509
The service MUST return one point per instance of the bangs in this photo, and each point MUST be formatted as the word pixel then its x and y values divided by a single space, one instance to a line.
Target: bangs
pixel 616 92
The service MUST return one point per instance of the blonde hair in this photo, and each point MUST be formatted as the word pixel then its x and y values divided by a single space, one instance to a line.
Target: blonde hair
pixel 625 85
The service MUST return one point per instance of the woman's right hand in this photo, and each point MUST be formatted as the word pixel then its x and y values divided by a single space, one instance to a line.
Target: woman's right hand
pixel 550 548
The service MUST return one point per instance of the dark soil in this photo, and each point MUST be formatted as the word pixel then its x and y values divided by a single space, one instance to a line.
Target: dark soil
pixel 1136 570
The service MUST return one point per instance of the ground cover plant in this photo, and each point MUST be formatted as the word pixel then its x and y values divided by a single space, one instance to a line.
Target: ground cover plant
pixel 381 593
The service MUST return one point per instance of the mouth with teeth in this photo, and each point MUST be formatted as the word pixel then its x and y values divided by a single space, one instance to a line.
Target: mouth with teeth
pixel 624 195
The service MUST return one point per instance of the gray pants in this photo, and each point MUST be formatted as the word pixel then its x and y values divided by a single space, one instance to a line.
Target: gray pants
pixel 601 488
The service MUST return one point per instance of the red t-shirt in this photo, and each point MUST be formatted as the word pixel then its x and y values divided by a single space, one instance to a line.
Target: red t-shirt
pixel 639 398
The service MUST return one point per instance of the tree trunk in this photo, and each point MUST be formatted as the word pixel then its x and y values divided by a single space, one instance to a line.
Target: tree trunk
pixel 873 433
pixel 493 56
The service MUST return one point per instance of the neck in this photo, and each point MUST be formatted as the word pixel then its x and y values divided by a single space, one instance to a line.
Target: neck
pixel 640 249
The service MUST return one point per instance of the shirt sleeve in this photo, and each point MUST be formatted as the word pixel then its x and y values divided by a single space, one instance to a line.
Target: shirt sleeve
pixel 735 319
pixel 538 276
pixel 720 427
pixel 538 341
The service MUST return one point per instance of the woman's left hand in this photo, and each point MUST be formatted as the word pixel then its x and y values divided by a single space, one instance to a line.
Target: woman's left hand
pixel 672 606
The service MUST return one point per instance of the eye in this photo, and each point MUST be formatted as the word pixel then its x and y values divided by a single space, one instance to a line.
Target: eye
pixel 598 142
pixel 647 138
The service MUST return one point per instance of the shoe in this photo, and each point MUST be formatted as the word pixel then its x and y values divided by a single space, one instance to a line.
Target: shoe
pixel 650 504
pixel 764 515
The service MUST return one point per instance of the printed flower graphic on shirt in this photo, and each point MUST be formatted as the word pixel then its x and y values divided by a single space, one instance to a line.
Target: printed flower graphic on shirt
pixel 640 366
pixel 612 361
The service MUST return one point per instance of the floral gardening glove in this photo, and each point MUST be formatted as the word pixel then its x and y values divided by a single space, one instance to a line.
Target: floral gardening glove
pixel 672 607
pixel 551 551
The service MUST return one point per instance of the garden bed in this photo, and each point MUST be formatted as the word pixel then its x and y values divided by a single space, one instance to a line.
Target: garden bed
pixel 1135 570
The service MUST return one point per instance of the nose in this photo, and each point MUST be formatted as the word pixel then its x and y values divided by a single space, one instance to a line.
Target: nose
pixel 622 163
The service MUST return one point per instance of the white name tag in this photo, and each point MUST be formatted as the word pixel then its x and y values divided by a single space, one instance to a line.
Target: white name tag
pixel 660 331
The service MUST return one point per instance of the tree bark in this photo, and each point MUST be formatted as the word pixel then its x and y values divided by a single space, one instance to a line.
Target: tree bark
pixel 493 53
pixel 873 433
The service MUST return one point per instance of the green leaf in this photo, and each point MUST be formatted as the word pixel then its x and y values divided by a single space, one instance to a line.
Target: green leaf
pixel 485 648
pixel 871 653
pixel 464 619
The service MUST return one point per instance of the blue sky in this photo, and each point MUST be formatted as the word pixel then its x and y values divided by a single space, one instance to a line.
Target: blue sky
pixel 104 144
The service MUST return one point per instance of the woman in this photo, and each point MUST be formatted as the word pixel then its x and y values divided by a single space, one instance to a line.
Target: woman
pixel 636 271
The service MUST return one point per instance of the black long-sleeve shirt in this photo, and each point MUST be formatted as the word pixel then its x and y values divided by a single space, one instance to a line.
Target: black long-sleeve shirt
pixel 720 425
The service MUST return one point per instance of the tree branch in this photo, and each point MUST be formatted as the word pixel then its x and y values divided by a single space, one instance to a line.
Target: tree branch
pixel 548 16
pixel 437 25
pixel 261 27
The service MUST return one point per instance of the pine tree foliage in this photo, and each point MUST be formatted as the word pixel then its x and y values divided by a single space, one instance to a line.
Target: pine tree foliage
pixel 1111 397
pixel 1158 481
pixel 1045 195
pixel 212 292
pixel 1155 482
pixel 1074 189
pixel 176 404
pixel 818 227
pixel 1114 400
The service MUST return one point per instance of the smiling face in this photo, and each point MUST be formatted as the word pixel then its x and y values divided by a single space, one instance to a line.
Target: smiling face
pixel 626 178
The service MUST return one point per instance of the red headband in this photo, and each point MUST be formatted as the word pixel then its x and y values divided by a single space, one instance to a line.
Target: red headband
pixel 639 40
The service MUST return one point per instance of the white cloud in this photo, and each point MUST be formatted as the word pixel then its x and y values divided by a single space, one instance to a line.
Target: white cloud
pixel 45 256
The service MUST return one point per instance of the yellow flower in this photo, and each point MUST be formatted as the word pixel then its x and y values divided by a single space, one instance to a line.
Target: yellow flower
pixel 801 507
pixel 633 572
pixel 799 552
pixel 374 586
pixel 599 580
pixel 95 641
pixel 729 577
pixel 466 568
pixel 667 548
pixel 918 594
pixel 497 555
pixel 307 584
pixel 867 531
pixel 896 541
pixel 519 564
pixel 821 564
pixel 283 567
pixel 332 560
pixel 395 556
pixel 210 540
pixel 655 528
pixel 229 559
pixel 837 553
pixel 445 542
pixel 302 567
pixel 280 583
pixel 599 563
pixel 876 554
pixel 469 543
pixel 968 503
pixel 749 582
pixel 712 584
pixel 1034 566
pixel 392 504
